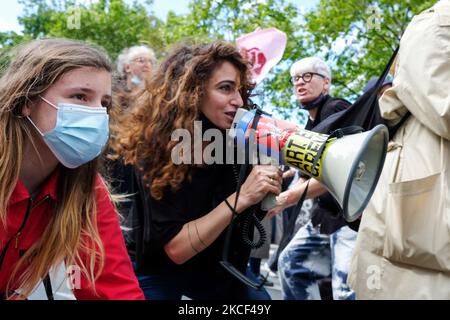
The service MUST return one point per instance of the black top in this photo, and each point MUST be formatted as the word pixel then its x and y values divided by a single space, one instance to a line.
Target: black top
pixel 329 106
pixel 160 220
pixel 326 212
pixel 208 188
pixel 121 180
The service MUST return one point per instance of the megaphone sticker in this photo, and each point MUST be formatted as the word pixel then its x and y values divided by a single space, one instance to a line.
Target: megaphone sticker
pixel 300 150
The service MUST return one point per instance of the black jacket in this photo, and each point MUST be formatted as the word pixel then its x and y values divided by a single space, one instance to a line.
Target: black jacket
pixel 326 212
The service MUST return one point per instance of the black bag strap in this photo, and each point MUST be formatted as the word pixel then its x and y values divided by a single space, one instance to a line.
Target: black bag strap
pixel 339 133
pixel 373 92
pixel 48 287
pixel 383 76
pixel 392 129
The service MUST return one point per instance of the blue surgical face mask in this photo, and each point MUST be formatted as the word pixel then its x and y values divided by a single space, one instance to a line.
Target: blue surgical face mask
pixel 79 135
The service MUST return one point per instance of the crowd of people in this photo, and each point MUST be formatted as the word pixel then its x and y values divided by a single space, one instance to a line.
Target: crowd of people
pixel 90 191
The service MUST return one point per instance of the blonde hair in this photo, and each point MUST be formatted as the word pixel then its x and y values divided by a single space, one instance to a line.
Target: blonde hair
pixel 72 230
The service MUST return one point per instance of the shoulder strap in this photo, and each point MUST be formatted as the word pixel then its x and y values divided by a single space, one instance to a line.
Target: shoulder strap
pixel 392 129
pixel 383 76
pixel 48 287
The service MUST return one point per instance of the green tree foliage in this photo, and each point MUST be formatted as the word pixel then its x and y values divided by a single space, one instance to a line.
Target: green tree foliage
pixel 229 19
pixel 113 24
pixel 356 37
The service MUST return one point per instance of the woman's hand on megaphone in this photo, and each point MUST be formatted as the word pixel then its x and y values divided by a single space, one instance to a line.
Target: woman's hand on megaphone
pixel 263 179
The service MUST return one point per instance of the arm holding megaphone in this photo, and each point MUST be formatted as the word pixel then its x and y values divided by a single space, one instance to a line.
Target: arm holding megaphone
pixel 187 243
pixel 263 180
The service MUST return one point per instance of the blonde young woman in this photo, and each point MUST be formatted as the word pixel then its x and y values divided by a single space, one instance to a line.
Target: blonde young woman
pixel 56 214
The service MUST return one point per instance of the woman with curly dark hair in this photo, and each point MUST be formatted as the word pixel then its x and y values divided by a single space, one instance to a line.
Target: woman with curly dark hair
pixel 181 233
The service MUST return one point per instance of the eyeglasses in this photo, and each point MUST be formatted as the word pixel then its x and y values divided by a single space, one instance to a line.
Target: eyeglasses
pixel 306 77
pixel 142 60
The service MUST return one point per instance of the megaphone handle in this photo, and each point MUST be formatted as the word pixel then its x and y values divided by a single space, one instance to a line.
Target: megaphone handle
pixel 269 202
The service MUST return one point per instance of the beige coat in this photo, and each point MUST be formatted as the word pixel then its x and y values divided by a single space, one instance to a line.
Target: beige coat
pixel 403 246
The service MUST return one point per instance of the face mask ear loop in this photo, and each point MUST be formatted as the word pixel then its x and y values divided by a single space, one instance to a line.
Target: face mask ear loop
pixel 29 119
pixel 51 104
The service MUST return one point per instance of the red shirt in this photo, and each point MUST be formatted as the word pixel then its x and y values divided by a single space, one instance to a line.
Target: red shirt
pixel 117 280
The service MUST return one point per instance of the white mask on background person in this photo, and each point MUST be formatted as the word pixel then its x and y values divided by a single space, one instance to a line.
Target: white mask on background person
pixel 135 80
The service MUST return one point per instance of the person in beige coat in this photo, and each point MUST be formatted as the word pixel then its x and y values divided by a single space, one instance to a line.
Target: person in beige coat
pixel 403 246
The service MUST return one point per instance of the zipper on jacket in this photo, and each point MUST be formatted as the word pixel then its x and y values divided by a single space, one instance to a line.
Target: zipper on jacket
pixel 5 249
pixel 22 226
pixel 19 232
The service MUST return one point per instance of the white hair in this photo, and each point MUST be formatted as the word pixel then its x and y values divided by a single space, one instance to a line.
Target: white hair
pixel 311 64
pixel 127 55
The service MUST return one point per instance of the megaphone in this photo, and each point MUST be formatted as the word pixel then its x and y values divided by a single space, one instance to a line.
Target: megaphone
pixel 348 166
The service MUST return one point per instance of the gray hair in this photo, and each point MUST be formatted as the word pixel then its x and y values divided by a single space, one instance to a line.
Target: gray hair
pixel 127 55
pixel 311 64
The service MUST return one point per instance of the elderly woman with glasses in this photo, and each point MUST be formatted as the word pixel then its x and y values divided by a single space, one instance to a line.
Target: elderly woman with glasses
pixel 135 64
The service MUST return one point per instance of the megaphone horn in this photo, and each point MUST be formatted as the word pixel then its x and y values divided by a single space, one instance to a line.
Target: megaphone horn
pixel 349 166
